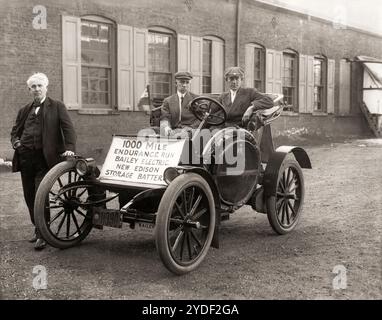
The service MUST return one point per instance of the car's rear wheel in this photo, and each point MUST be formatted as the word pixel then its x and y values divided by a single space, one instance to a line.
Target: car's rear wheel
pixel 285 205
pixel 185 223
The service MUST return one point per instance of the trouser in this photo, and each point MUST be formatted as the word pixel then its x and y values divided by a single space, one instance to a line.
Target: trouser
pixel 33 168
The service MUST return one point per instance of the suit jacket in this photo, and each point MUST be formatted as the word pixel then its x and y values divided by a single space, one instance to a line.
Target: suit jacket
pixel 58 133
pixel 170 111
pixel 244 98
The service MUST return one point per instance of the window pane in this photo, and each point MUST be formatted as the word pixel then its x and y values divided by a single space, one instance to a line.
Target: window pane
pixel 207 56
pixel 96 56
pixel 84 84
pixel 103 98
pixel 160 64
pixel 206 86
pixel 95 43
pixel 159 52
pixel 258 69
pixel 93 98
pixel 289 81
pixel 85 97
pixel 103 85
pixel 160 84
pixel 258 85
pixel 317 72
pixel 319 84
pixel 207 66
pixel 96 86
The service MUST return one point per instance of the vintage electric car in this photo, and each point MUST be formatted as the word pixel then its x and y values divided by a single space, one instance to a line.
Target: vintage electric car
pixel 179 188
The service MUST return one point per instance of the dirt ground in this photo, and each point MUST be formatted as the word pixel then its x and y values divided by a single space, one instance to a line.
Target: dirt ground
pixel 339 235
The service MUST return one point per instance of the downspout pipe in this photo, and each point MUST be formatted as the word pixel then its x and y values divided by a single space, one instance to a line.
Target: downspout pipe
pixel 238 11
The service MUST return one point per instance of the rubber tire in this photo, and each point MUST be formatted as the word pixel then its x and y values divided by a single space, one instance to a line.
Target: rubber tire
pixel 271 201
pixel 165 208
pixel 42 192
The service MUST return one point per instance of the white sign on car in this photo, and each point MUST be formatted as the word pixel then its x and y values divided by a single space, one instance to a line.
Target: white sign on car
pixel 139 160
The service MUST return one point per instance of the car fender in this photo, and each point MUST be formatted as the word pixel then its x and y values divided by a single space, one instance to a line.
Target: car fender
pixel 274 164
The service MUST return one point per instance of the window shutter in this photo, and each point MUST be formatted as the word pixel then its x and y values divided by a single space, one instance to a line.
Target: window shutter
pixel 310 84
pixel 331 75
pixel 125 67
pixel 273 71
pixel 217 66
pixel 249 65
pixel 302 83
pixel 140 63
pixel 71 61
pixel 184 59
pixel 196 64
pixel 344 103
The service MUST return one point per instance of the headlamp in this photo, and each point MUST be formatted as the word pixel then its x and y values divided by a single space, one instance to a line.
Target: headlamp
pixel 84 166
pixel 170 174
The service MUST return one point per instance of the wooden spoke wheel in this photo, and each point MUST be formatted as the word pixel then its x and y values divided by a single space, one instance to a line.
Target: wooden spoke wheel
pixel 59 216
pixel 185 223
pixel 285 206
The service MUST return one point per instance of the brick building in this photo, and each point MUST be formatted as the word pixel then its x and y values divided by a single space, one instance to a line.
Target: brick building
pixel 99 55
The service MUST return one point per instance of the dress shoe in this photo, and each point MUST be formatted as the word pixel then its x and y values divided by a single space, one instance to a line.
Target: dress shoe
pixel 39 244
pixel 33 239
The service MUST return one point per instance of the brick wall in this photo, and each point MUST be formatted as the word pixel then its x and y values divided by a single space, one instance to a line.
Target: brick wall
pixel 25 50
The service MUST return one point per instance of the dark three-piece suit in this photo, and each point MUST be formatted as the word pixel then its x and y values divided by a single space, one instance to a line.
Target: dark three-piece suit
pixel 43 135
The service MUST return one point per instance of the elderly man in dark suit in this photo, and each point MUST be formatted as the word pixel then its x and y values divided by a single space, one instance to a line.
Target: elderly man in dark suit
pixel 240 103
pixel 176 117
pixel 43 131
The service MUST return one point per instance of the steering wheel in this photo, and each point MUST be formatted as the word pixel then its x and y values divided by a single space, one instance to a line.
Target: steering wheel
pixel 208 110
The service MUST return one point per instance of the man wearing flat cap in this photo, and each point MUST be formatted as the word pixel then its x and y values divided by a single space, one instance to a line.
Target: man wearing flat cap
pixel 176 115
pixel 240 103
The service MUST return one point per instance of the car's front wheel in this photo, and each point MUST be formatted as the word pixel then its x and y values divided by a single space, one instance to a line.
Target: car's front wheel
pixel 185 223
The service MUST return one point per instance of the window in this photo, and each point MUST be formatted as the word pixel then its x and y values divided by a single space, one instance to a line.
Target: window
pixel 161 56
pixel 289 81
pixel 344 87
pixel 97 63
pixel 207 65
pixel 104 65
pixel 255 66
pixel 212 64
pixel 259 69
pixel 319 91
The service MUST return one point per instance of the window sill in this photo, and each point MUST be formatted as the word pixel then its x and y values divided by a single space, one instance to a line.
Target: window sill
pixel 290 113
pixel 319 114
pixel 98 111
pixel 107 111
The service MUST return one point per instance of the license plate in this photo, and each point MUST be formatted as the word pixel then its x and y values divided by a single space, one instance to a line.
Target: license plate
pixel 145 227
pixel 108 218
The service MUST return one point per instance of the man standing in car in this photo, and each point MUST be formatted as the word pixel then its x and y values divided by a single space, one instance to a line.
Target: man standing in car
pixel 42 132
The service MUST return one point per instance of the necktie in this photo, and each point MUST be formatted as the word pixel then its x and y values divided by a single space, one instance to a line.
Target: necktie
pixel 36 108
pixel 233 95
pixel 180 107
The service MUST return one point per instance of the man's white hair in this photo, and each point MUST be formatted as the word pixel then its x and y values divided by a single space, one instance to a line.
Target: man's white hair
pixel 38 76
